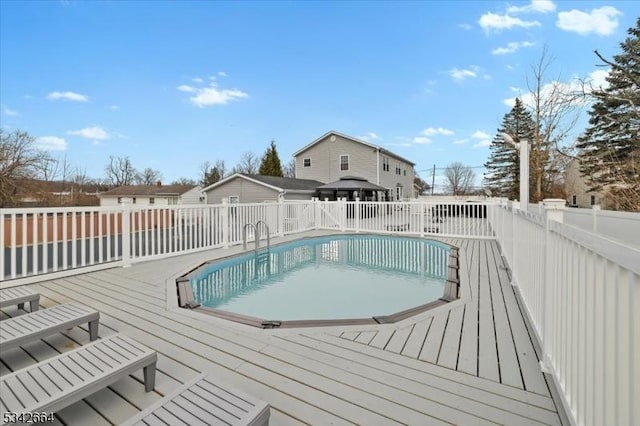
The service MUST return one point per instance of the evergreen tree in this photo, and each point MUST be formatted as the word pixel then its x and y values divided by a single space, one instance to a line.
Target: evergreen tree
pixel 270 165
pixel 503 167
pixel 610 147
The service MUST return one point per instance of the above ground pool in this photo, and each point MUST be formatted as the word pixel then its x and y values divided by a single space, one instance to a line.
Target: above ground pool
pixel 351 278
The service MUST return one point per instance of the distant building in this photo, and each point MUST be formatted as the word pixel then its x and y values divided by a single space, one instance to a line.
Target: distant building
pixel 246 188
pixel 577 188
pixel 149 195
pixel 334 156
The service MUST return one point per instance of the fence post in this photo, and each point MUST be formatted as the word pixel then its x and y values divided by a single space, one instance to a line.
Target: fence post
pixel 554 211
pixel 316 213
pixel 356 214
pixel 343 215
pixel 423 209
pixel 225 223
pixel 515 206
pixel 594 218
pixel 281 216
pixel 126 234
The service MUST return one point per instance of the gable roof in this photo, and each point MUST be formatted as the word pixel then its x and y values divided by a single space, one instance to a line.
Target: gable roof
pixel 274 182
pixel 351 138
pixel 148 190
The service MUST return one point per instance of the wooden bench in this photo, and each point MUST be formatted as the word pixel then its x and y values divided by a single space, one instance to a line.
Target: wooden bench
pixel 204 401
pixel 19 296
pixel 26 328
pixel 56 383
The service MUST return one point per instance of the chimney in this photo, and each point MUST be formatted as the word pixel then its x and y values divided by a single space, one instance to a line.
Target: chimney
pixel 159 183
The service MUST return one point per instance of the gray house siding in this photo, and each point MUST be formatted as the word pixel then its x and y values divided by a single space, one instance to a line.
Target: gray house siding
pixel 192 196
pixel 247 191
pixel 364 161
pixel 297 197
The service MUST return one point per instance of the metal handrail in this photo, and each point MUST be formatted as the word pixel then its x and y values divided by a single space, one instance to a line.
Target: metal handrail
pixel 258 233
pixel 244 235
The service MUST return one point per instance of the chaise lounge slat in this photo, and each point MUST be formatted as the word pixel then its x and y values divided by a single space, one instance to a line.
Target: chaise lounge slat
pixel 75 375
pixel 19 296
pixel 27 328
pixel 203 401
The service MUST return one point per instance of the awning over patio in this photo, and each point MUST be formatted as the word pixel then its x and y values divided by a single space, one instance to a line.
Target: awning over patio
pixel 350 187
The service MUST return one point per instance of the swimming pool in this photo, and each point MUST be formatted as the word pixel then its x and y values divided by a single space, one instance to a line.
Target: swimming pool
pixel 340 277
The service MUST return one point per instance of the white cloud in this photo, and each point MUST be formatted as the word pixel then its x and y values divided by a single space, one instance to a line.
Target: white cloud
pixel 512 47
pixel 8 112
pixel 197 80
pixel 601 21
pixel 460 141
pixel 51 143
pixel 67 96
pixel 536 6
pixel 483 139
pixel 465 27
pixel 405 144
pixel 597 79
pixel 211 95
pixel 95 133
pixel 421 140
pixel 369 136
pixel 222 74
pixel 493 21
pixel 462 74
pixel 430 131
pixel 113 107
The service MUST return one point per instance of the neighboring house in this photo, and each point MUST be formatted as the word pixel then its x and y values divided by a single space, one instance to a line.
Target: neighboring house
pixel 577 188
pixel 244 188
pixel 334 155
pixel 149 195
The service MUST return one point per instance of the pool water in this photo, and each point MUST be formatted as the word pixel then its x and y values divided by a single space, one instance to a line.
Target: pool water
pixel 336 277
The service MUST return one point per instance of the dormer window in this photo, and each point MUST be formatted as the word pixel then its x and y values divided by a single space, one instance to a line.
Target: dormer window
pixel 344 162
pixel 306 162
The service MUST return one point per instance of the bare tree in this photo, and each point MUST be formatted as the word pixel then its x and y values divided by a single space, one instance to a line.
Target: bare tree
pixel 183 181
pixel 148 176
pixel 221 168
pixel 556 109
pixel 19 160
pixel 289 169
pixel 120 171
pixel 459 178
pixel 248 164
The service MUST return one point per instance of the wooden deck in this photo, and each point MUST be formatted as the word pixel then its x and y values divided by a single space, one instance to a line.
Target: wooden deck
pixel 471 361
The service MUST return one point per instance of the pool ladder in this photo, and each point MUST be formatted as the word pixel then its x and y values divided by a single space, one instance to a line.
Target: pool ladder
pixel 262 256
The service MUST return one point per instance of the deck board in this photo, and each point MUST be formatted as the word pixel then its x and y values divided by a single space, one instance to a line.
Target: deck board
pixel 423 370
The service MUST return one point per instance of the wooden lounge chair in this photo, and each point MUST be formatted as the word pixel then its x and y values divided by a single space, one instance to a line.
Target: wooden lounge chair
pixel 45 322
pixel 18 296
pixel 56 383
pixel 204 401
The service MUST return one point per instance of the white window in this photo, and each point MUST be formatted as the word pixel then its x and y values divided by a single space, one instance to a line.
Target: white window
pixel 398 193
pixel 404 171
pixel 385 164
pixel 234 199
pixel 119 200
pixel 344 162
pixel 172 201
pixel 152 200
pixel 574 200
pixel 307 162
pixel 397 167
pixel 134 200
pixel 592 200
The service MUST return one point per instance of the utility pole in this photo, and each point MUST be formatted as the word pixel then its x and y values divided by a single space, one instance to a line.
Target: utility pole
pixel 433 178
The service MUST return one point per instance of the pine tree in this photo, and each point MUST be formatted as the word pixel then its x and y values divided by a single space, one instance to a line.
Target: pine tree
pixel 610 147
pixel 270 165
pixel 503 167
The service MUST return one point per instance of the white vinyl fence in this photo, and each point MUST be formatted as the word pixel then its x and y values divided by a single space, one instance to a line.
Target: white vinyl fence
pixel 582 294
pixel 58 241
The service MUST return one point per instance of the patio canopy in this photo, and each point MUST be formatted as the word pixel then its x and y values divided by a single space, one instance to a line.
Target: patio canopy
pixel 351 183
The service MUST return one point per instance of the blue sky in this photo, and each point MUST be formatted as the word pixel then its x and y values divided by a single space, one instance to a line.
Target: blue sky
pixel 173 84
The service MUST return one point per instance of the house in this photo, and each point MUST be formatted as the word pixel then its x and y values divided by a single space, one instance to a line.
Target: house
pixel 577 188
pixel 246 188
pixel 149 195
pixel 333 156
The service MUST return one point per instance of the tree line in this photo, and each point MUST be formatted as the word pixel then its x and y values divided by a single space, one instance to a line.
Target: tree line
pixel 608 151
pixel 28 172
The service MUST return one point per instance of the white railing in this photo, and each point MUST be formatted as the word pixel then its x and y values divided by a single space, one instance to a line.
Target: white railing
pixel 581 292
pixel 59 241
